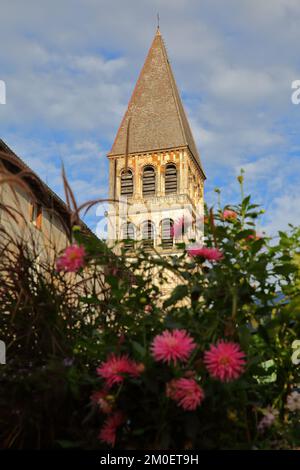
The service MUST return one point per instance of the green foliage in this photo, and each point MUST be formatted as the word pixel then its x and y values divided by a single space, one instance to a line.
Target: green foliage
pixel 59 327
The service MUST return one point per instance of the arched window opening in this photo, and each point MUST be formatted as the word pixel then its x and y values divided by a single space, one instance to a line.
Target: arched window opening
pixel 127 183
pixel 171 179
pixel 128 235
pixel 167 235
pixel 148 234
pixel 148 181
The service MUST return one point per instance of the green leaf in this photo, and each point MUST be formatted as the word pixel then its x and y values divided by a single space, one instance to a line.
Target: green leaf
pixel 172 324
pixel 243 234
pixel 178 294
pixel 245 202
pixel 285 269
pixel 245 336
pixel 139 348
pixel 257 245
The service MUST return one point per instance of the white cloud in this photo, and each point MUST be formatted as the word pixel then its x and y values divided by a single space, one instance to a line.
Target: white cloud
pixel 70 69
pixel 286 210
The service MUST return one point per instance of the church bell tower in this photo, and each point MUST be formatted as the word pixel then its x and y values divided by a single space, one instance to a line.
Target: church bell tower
pixel 156 178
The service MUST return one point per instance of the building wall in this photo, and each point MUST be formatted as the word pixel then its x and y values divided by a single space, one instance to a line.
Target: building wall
pixel 49 239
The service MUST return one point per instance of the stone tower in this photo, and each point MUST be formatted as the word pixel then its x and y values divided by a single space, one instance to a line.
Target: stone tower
pixel 156 177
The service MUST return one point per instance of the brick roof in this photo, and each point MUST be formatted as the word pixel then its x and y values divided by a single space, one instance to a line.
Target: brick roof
pixel 157 117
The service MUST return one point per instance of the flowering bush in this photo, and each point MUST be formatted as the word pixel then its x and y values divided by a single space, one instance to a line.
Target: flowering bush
pixel 207 366
pixel 72 259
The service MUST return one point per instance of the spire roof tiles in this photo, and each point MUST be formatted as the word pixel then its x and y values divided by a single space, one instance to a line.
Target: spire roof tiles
pixel 155 113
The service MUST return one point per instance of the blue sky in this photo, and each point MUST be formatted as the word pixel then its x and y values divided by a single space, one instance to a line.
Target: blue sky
pixel 70 68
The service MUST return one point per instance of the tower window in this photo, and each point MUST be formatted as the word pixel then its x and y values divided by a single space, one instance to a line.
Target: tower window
pixel 171 179
pixel 148 234
pixel 128 235
pixel 127 183
pixel 148 181
pixel 167 236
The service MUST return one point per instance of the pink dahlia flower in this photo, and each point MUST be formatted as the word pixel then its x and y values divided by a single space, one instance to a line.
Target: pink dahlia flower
pixel 101 399
pixel 109 428
pixel 225 361
pixel 229 214
pixel 186 392
pixel 148 308
pixel 172 346
pixel 115 369
pixel 211 254
pixel 254 236
pixel 72 259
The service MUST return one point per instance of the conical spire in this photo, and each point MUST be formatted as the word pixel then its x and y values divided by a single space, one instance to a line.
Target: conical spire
pixel 157 117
